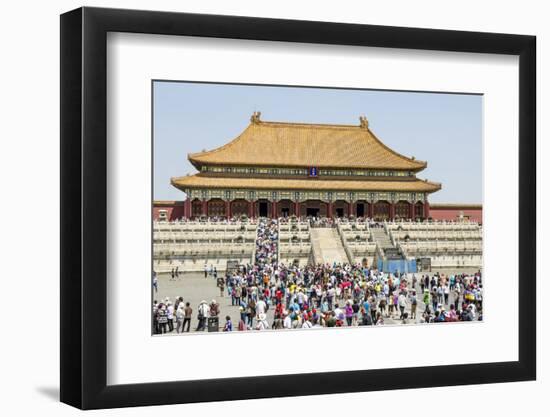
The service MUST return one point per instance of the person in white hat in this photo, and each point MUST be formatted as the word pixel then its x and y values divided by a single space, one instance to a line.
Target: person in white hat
pixel 262 322
pixel 287 322
pixel 203 311
pixel 214 309
pixel 170 315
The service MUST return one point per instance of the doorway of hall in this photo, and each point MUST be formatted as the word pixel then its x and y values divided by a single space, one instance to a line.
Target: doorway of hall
pixel 262 209
pixel 340 212
pixel 312 212
pixel 360 210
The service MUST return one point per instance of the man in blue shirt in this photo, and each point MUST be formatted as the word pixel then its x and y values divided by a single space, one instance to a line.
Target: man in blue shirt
pixel 366 307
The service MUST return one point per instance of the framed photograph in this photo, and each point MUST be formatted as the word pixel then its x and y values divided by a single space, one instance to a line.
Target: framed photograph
pixel 260 208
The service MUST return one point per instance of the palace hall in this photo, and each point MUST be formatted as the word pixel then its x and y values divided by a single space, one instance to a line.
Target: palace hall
pixel 279 169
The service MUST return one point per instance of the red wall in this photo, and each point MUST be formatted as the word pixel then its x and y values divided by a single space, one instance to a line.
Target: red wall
pixel 174 209
pixel 453 213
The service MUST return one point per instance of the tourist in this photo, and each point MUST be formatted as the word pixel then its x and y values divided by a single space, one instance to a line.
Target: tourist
pixel 237 295
pixel 180 315
pixel 203 312
pixel 426 300
pixel 391 306
pixel 306 324
pixel 434 298
pixel 242 325
pixel 356 308
pixel 287 321
pixel 262 322
pixel 162 319
pixel 221 286
pixel 228 325
pixel 251 312
pixel 402 302
pixel 155 282
pixel 413 302
pixel 170 316
pixel 187 318
pixel 214 308
pixel 349 313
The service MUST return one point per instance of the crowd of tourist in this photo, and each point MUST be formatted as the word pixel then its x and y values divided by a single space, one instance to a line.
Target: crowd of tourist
pixel 349 295
pixel 325 295
pixel 266 243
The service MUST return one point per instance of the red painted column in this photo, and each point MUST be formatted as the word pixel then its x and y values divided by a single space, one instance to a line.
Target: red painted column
pixel 187 208
pixel 370 210
pixel 392 211
pixel 228 209
pixel 297 209
pixel 426 209
pixel 273 209
pixel 350 209
pixel 205 207
pixel 250 209
pixel 330 210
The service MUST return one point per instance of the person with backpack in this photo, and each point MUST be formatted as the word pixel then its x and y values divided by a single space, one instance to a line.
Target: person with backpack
pixel 203 312
pixel 262 322
pixel 162 319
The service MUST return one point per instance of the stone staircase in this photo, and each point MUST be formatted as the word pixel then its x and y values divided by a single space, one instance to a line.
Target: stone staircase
pixel 384 242
pixel 327 246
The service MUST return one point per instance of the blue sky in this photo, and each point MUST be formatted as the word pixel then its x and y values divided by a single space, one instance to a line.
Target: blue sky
pixel 443 129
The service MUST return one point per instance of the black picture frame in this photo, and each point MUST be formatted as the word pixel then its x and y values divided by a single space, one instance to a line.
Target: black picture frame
pixel 84 207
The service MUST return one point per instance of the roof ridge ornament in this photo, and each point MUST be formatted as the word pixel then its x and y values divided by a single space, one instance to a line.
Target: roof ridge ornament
pixel 363 122
pixel 255 118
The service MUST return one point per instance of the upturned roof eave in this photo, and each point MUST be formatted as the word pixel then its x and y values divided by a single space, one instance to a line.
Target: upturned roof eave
pixel 185 182
pixel 198 164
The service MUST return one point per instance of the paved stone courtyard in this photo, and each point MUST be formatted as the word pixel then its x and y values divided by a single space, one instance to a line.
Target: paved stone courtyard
pixel 194 288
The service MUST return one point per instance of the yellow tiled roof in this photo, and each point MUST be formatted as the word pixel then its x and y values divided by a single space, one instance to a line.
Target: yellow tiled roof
pixel 313 184
pixel 305 145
